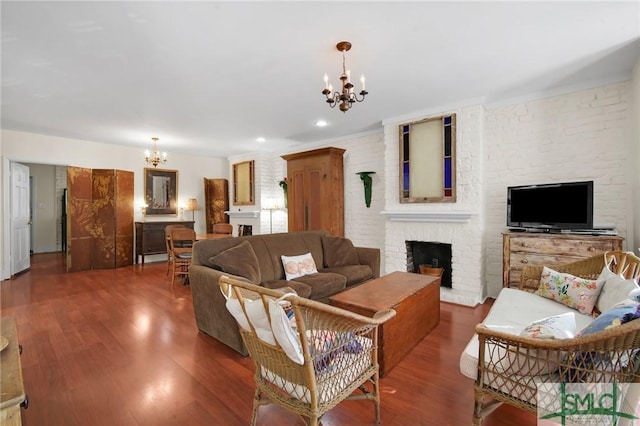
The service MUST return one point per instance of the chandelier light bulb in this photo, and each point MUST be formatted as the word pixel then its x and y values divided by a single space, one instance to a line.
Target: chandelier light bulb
pixel 155 157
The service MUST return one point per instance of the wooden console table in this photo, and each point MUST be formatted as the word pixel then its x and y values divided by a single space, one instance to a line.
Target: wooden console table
pixel 150 237
pixel 13 395
pixel 530 248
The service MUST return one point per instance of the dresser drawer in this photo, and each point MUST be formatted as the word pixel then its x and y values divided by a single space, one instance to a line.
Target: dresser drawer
pixel 561 246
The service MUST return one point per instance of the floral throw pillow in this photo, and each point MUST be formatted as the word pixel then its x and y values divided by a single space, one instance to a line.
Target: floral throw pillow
pixel 298 266
pixel 575 292
pixel 562 326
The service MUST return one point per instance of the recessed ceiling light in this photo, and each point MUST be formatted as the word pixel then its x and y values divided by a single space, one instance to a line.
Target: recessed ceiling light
pixel 261 139
pixel 321 123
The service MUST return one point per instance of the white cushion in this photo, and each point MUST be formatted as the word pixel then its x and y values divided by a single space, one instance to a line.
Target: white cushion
pixel 575 292
pixel 257 315
pixel 288 339
pixel 298 266
pixel 614 290
pixel 512 311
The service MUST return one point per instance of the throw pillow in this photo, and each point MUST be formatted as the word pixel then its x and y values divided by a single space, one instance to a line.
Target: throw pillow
pixel 581 364
pixel 287 338
pixel 620 313
pixel 297 266
pixel 338 251
pixel 238 260
pixel 561 326
pixel 256 315
pixel 614 290
pixel 574 292
pixel 533 362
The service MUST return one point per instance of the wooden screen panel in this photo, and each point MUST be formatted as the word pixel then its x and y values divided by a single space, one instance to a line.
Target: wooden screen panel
pixel 79 219
pixel 124 218
pixel 103 228
pixel 216 200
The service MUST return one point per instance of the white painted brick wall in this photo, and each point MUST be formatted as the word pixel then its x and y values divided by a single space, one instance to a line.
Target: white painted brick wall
pixel 466 239
pixel 572 137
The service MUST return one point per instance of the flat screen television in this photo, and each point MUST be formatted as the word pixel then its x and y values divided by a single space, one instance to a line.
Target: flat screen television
pixel 551 206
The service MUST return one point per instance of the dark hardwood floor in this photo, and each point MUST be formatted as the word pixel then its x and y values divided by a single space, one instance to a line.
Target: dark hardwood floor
pixel 120 347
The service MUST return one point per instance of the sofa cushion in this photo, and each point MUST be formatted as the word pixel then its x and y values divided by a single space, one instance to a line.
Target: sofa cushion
pixel 301 289
pixel 323 284
pixel 562 326
pixel 338 251
pixel 621 313
pixel 355 274
pixel 240 260
pixel 297 266
pixel 575 292
pixel 614 290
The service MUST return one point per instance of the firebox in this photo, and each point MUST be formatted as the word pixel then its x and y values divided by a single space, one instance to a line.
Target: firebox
pixel 432 255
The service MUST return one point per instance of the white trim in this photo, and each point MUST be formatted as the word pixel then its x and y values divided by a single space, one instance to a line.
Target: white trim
pixel 243 213
pixel 444 217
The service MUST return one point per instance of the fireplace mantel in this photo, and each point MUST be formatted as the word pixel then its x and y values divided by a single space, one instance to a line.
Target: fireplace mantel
pixel 441 217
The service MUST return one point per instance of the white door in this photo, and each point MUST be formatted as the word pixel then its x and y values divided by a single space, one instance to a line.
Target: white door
pixel 20 238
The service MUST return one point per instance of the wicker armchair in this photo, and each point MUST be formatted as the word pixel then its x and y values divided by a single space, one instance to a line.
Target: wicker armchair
pixel 611 354
pixel 337 348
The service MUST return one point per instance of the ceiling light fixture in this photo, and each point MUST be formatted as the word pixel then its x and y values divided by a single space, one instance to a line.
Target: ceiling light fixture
pixel 261 140
pixel 346 97
pixel 156 157
pixel 321 123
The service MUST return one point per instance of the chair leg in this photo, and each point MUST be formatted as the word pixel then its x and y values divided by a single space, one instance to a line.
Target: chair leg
pixel 256 405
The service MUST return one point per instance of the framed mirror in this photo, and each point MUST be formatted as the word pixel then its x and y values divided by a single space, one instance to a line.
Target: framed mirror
pixel 243 183
pixel 161 191
pixel 428 160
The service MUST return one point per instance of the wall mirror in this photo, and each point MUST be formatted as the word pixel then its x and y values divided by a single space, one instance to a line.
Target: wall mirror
pixel 243 183
pixel 428 160
pixel 161 191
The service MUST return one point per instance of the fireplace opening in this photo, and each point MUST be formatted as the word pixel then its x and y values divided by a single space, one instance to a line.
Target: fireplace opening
pixel 430 255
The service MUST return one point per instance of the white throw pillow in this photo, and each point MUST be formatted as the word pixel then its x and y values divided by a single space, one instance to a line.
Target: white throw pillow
pixel 534 362
pixel 288 339
pixel 562 326
pixel 614 290
pixel 298 266
pixel 257 315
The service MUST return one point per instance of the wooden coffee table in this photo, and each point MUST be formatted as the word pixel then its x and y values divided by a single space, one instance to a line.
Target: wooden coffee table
pixel 416 299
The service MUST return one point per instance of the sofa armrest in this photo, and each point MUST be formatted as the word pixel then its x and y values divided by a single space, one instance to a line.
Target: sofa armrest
pixel 209 307
pixel 370 256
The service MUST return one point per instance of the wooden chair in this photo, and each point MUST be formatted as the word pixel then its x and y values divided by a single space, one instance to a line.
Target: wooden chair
pixel 167 230
pixel 223 228
pixel 308 356
pixel 181 242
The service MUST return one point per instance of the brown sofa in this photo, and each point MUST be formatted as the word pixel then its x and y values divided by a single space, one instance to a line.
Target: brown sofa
pixel 256 259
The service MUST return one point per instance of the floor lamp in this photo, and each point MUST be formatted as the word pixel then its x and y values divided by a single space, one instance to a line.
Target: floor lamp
pixel 271 204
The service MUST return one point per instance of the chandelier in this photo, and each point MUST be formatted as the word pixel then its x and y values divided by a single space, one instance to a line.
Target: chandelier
pixel 155 157
pixel 347 96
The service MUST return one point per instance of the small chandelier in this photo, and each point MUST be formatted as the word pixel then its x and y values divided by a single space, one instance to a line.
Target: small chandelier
pixel 346 97
pixel 155 157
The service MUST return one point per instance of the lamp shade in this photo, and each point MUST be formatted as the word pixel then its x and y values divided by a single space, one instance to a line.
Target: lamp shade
pixel 192 205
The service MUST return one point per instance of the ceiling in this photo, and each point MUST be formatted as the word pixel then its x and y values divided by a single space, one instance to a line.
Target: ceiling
pixel 208 78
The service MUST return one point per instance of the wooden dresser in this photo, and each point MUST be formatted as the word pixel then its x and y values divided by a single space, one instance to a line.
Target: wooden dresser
pixel 13 395
pixel 525 248
pixel 150 237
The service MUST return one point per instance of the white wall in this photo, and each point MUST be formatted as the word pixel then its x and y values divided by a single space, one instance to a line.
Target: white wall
pixel 577 136
pixel 45 222
pixel 635 149
pixel 34 148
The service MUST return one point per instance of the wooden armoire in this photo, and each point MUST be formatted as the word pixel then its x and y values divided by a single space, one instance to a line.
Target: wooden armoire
pixel 316 190
pixel 216 202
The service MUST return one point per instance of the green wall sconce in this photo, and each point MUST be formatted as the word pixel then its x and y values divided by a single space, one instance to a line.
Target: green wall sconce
pixel 367 181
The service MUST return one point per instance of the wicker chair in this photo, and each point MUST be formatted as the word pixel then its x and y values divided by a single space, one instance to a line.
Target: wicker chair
pixel 337 349
pixel 613 353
